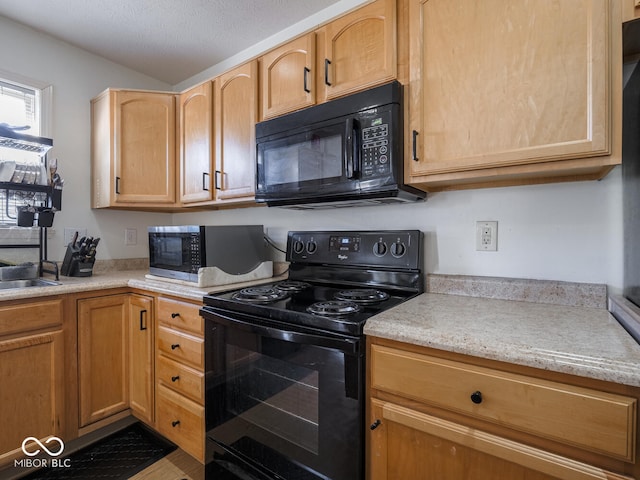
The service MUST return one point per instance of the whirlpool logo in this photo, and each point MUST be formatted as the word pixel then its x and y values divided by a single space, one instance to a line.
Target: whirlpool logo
pixel 52 446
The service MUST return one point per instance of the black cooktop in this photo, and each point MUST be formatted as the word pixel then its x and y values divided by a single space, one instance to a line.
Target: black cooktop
pixel 337 308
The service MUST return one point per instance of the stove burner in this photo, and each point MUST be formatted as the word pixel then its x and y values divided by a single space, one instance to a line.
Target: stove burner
pixel 291 286
pixel 260 294
pixel 333 308
pixel 366 296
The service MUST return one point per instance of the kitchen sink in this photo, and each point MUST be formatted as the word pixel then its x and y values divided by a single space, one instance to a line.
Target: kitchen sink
pixel 31 282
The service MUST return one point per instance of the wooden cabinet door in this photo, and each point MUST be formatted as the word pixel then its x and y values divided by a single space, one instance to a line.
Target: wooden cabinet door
pixel 287 77
pixel 32 381
pixel 358 50
pixel 503 84
pixel 196 143
pixel 102 357
pixel 144 143
pixel 141 354
pixel 236 114
pixel 407 444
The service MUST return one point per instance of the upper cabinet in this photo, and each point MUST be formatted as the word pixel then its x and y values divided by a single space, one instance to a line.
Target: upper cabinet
pixel 358 50
pixel 631 10
pixel 349 54
pixel 236 114
pixel 511 93
pixel 133 149
pixel 196 143
pixel 287 77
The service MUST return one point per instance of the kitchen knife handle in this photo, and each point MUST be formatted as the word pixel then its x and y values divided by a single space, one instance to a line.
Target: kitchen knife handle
pixel 117 185
pixel 327 62
pixel 218 180
pixel 414 146
pixel 306 79
pixel 143 324
pixel 205 181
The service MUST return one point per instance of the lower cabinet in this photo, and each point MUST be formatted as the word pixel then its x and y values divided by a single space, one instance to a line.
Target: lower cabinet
pixel 434 417
pixel 32 375
pixel 115 357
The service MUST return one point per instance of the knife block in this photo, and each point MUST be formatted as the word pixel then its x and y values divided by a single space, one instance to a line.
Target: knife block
pixel 76 265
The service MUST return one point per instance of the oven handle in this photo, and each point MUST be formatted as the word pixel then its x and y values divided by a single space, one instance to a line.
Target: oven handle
pixel 347 345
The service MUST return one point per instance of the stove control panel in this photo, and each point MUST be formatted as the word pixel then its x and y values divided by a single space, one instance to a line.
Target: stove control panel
pixel 388 248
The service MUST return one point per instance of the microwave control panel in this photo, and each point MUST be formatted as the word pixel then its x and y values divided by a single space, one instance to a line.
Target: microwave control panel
pixel 194 251
pixel 375 148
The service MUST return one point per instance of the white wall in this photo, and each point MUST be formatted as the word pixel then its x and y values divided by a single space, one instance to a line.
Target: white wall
pixel 569 231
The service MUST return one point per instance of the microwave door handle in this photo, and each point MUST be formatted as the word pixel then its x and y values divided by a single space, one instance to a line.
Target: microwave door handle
pixel 351 151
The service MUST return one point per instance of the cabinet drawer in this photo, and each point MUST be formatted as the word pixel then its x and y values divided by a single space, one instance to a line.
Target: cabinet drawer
pixel 30 316
pixel 181 315
pixel 180 378
pixel 597 421
pixel 181 346
pixel 181 421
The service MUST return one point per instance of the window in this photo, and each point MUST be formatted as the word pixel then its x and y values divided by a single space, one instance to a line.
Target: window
pixel 23 104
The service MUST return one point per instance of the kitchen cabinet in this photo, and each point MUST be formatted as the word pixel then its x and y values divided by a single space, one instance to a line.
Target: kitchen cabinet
pixel 133 151
pixel 180 375
pixel 506 94
pixel 357 51
pixel 196 143
pixel 631 10
pixel 103 354
pixel 141 320
pixel 444 416
pixel 287 79
pixel 236 114
pixel 32 375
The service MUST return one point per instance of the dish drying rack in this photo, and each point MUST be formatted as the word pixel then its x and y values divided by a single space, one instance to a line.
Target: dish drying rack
pixel 47 196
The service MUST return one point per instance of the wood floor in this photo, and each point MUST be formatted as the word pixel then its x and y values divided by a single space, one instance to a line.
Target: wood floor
pixel 176 466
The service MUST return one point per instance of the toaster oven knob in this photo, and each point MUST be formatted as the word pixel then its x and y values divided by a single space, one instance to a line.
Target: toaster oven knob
pixel 298 246
pixel 312 247
pixel 379 248
pixel 398 249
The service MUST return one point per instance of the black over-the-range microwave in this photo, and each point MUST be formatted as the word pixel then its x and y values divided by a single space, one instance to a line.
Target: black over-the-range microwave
pixel 344 152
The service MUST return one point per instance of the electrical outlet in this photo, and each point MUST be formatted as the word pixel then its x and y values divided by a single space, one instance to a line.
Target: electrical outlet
pixel 487 236
pixel 130 236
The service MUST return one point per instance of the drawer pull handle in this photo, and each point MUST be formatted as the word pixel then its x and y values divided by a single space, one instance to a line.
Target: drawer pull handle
pixel 175 423
pixel 174 346
pixel 375 424
pixel 174 315
pixel 176 378
pixel 476 397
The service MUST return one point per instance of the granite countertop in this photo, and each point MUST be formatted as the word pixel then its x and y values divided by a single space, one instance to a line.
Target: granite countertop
pixel 578 340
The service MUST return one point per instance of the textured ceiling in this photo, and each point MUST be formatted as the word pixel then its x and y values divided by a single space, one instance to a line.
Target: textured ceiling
pixel 170 40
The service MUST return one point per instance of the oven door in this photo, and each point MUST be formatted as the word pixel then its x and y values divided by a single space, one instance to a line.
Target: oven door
pixel 283 404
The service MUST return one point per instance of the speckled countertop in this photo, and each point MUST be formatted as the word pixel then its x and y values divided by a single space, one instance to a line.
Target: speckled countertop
pixel 578 340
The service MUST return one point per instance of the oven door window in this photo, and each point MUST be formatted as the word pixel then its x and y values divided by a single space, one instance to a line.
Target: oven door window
pixel 292 408
pixel 170 251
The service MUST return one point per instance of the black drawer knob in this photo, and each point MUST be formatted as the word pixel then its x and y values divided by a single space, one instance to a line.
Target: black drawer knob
pixel 375 424
pixel 476 397
pixel 175 423
pixel 176 378
pixel 174 346
pixel 174 315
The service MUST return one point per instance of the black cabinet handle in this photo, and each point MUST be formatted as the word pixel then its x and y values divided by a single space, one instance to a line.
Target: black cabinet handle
pixel 117 185
pixel 205 181
pixel 375 424
pixel 414 147
pixel 306 80
pixel 143 324
pixel 476 397
pixel 327 62
pixel 174 346
pixel 218 180
pixel 176 378
pixel 175 423
pixel 174 315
